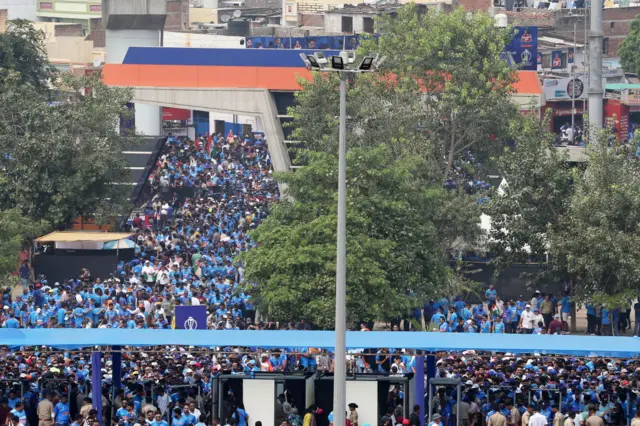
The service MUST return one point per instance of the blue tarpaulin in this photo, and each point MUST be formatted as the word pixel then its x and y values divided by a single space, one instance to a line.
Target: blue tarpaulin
pixel 622 347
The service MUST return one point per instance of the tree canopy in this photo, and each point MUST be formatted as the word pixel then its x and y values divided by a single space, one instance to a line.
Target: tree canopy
pixel 59 160
pixel 399 232
pixel 443 90
pixel 597 241
pixel 64 161
pixel 22 53
pixel 15 229
pixel 629 48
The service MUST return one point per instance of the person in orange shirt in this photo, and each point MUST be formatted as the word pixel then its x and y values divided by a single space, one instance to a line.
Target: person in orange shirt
pixel 265 364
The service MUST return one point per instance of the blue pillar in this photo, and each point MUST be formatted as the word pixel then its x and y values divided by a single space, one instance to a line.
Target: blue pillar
pixel 96 383
pixel 116 367
pixel 431 373
pixel 419 383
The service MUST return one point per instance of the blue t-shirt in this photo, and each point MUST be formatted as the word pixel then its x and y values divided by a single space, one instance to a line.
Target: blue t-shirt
pixel 242 421
pixel 61 411
pixel 498 327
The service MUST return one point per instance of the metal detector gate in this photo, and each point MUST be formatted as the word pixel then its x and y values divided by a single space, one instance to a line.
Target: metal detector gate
pixel 12 384
pixel 445 383
pixel 171 387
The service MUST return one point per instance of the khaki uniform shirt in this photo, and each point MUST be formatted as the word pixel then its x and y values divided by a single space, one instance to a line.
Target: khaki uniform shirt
pixel 525 418
pixel 45 409
pixel 497 419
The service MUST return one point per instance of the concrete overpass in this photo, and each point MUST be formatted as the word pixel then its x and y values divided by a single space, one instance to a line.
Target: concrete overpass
pixel 254 102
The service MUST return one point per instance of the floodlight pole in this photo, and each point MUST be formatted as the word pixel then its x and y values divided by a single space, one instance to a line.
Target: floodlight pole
pixel 340 363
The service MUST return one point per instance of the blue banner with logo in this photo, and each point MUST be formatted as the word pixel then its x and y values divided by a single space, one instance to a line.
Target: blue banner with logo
pixel 316 42
pixel 556 59
pixel 190 318
pixel 570 55
pixel 522 51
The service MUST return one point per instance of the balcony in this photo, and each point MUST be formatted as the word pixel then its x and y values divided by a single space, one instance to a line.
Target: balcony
pixel 69 9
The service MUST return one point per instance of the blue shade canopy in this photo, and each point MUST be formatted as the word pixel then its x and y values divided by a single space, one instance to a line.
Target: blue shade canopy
pixel 620 347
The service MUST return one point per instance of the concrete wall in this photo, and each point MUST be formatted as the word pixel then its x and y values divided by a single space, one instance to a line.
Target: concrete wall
pixel 365 394
pixel 72 49
pixel 177 15
pixel 4 17
pixel 119 41
pixel 20 9
pixel 259 398
pixel 333 22
pixel 176 39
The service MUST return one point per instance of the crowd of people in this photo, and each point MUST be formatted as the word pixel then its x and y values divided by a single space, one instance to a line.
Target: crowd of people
pixel 538 391
pixel 207 194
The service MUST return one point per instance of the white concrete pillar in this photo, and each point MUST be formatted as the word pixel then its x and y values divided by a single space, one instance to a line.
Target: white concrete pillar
pixel 148 118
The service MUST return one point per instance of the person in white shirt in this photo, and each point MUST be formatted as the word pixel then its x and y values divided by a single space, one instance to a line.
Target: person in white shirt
pixel 527 319
pixel 537 419
pixel 149 272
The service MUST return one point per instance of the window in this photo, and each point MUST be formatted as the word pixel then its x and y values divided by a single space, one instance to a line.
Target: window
pixel 347 24
pixel 546 61
pixel 367 25
pixel 612 25
pixel 605 46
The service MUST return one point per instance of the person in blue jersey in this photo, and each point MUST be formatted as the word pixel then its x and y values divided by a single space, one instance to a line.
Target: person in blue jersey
pixel 443 327
pixel 158 421
pixel 240 416
pixel 20 413
pixel 498 326
pixel 61 412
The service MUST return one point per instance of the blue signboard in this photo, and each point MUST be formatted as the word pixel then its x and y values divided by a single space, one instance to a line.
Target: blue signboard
pixel 523 49
pixel 190 318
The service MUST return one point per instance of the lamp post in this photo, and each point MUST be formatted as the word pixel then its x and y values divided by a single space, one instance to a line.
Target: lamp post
pixel 340 64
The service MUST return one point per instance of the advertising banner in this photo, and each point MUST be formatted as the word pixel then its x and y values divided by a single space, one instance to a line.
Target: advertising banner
pixel 556 59
pixel 570 55
pixel 523 48
pixel 564 88
pixel 316 42
pixel 190 318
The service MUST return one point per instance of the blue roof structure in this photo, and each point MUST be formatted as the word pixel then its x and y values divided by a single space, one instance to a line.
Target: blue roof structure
pixel 619 347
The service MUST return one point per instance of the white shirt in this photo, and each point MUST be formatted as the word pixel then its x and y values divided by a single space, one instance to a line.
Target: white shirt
pixel 537 420
pixel 527 318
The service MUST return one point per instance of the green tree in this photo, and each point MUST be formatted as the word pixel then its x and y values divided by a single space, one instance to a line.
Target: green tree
pixel 443 90
pixel 22 53
pixel 628 49
pixel 61 162
pixel 15 231
pixel 399 233
pixel 535 194
pixel 58 162
pixel 598 239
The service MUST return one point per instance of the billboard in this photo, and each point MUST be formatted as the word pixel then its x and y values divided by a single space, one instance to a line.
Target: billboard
pixel 312 42
pixel 564 88
pixel 556 59
pixel 522 51
pixel 190 318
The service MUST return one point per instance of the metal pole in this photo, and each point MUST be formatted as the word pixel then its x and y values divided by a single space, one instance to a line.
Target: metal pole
pixel 340 368
pixel 585 63
pixel 595 70
pixel 573 91
pixel 459 391
pixel 430 399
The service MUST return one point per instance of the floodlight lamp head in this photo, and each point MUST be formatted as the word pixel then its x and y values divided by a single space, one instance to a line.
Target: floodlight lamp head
pixel 313 62
pixel 320 58
pixel 305 59
pixel 337 63
pixel 366 64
